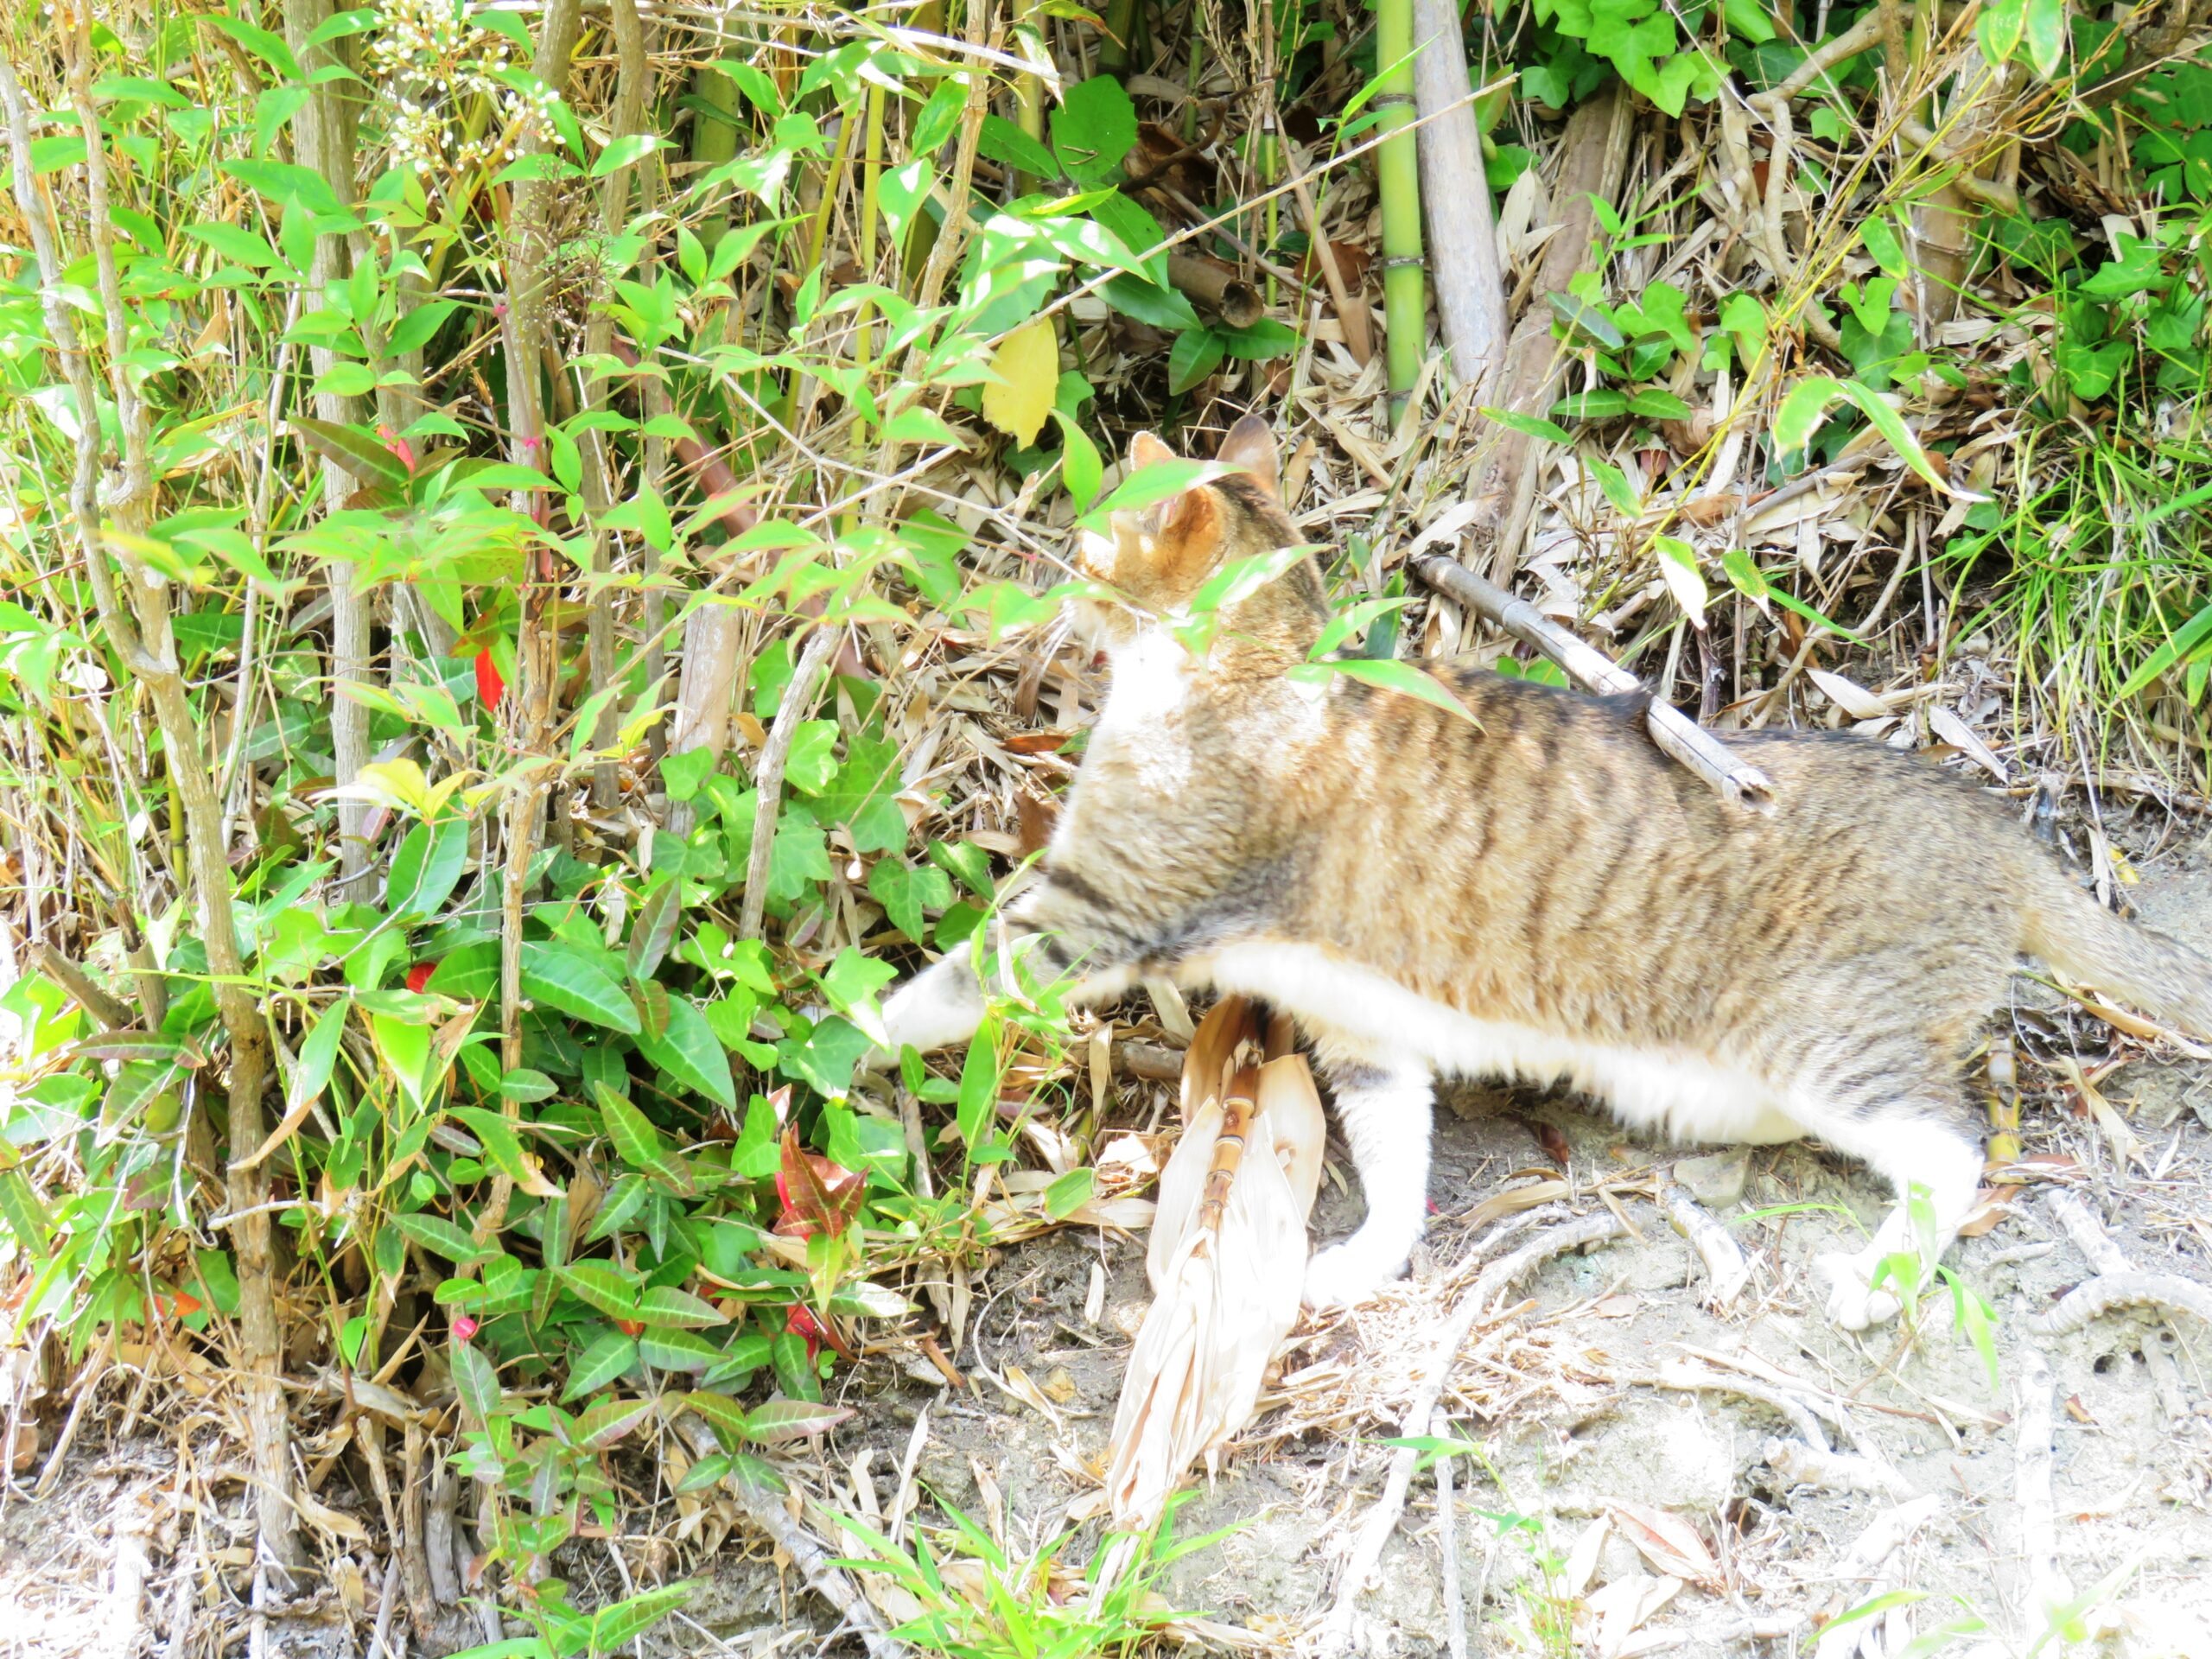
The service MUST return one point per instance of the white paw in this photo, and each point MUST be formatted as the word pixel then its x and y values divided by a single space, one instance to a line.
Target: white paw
pixel 1852 1302
pixel 1346 1274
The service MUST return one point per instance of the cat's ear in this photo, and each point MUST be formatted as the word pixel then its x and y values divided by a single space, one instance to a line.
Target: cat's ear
pixel 1146 450
pixel 1251 446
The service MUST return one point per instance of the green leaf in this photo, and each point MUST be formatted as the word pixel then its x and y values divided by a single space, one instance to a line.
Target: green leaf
pixel 1387 674
pixel 1534 425
pixel 610 1356
pixel 476 1380
pixel 1196 353
pixel 625 152
pixel 1081 470
pixel 1803 410
pixel 1591 321
pixel 689 1051
pixel 427 867
pixel 979 1085
pixel 1069 1193
pixel 720 1413
pixel 358 452
pixel 667 1306
pixel 609 1420
pixel 637 1142
pixel 905 891
pixel 2046 35
pixel 1744 574
pixel 1602 405
pixel 678 1350
pixel 602 1285
pixel 781 1420
pixel 632 1617
pixel 444 1238
pixel 502 1145
pixel 1093 129
pixel 573 984
pixel 654 930
pixel 1149 486
pixel 1656 406
pixel 241 246
pixel 318 1055
pixel 2185 639
pixel 1890 425
pixel 1618 491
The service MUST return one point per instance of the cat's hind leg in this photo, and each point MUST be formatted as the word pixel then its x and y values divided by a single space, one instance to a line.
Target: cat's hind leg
pixel 1384 1108
pixel 1918 1134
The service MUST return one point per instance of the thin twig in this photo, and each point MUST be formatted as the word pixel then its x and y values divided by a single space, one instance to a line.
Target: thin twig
pixel 768 778
pixel 1724 1259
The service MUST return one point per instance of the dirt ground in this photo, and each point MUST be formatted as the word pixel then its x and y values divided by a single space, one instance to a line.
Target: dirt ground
pixel 1626 1497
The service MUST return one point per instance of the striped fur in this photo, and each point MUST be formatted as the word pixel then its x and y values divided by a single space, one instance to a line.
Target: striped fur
pixel 1535 893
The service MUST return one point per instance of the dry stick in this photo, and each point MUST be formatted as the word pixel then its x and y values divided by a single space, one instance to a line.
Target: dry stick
pixel 823 1575
pixel 1217 288
pixel 1447 1541
pixel 1352 313
pixel 1675 733
pixel 1592 155
pixel 1455 199
pixel 1684 1377
pixel 537 650
pixel 1801 1463
pixel 1374 1531
pixel 148 650
pixel 2032 1457
pixel 111 1014
pixel 768 778
pixel 632 72
pixel 323 141
pixel 1723 1257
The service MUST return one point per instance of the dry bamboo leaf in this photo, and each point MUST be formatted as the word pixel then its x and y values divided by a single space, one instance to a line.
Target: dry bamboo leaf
pixel 1668 1542
pixel 1227 1244
pixel 1515 1200
pixel 1960 735
pixel 1853 698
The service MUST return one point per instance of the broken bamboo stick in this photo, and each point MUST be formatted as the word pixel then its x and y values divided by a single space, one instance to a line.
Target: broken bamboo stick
pixel 1463 260
pixel 1676 732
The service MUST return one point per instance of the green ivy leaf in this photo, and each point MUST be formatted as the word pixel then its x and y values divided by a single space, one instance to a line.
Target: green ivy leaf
pixel 668 1307
pixel 602 1286
pixel 444 1238
pixel 427 867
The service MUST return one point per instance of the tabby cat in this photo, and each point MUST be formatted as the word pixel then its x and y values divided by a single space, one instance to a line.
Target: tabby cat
pixel 1534 893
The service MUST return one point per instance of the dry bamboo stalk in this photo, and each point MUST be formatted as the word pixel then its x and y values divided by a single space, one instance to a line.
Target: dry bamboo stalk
pixel 1592 155
pixel 1676 732
pixel 1229 1148
pixel 1217 288
pixel 1463 258
pixel 768 777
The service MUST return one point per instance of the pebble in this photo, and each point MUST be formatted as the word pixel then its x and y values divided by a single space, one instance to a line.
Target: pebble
pixel 1716 1180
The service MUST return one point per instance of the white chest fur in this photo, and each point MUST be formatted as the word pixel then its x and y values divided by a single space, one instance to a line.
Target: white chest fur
pixel 1369 1016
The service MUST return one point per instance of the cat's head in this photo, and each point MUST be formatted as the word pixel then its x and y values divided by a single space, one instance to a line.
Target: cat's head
pixel 1157 560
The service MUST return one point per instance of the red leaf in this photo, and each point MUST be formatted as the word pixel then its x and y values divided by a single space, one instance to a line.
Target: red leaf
pixel 800 1323
pixel 490 687
pixel 817 1195
pixel 419 975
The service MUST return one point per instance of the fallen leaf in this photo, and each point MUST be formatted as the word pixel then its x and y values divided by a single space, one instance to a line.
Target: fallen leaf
pixel 1027 369
pixel 1668 1541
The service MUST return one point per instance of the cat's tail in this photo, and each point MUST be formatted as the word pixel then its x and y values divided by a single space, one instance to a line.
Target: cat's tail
pixel 2086 943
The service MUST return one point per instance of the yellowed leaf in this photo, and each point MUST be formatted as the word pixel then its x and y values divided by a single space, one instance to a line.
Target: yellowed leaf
pixel 1027 364
pixel 1668 1542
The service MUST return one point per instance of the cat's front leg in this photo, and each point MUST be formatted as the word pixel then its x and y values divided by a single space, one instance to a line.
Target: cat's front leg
pixel 937 1008
pixel 1384 1108
pixel 1930 1155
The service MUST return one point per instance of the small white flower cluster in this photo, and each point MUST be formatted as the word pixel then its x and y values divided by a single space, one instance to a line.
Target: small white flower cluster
pixel 429 61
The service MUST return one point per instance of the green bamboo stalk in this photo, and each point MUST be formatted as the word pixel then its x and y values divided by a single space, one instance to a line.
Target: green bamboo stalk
pixel 713 142
pixel 1397 168
pixel 1120 39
